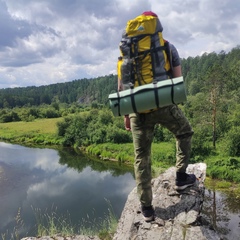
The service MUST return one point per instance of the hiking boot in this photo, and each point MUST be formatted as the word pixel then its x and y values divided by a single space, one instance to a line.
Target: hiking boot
pixel 148 213
pixel 184 180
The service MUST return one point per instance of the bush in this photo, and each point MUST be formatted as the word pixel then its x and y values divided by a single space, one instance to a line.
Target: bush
pixel 233 142
pixel 201 142
pixel 73 130
pixel 116 135
pixel 224 168
pixel 51 113
pixel 10 116
pixel 105 117
pixel 158 134
pixel 98 136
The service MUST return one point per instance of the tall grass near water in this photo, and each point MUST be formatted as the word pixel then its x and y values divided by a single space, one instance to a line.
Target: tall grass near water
pixel 51 223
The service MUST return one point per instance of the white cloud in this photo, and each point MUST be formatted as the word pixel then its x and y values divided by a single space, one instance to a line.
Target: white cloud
pixel 46 42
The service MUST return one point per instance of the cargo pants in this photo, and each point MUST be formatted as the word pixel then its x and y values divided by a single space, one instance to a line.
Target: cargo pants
pixel 142 126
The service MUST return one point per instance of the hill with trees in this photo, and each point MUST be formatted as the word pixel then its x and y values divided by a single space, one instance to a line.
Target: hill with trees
pixel 82 91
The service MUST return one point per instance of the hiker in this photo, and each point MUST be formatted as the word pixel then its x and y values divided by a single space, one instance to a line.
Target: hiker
pixel 142 126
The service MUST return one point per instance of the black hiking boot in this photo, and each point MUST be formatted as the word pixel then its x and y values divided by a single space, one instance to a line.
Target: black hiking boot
pixel 148 213
pixel 184 180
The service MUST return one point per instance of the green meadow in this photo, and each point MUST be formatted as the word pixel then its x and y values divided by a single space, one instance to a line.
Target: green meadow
pixel 38 132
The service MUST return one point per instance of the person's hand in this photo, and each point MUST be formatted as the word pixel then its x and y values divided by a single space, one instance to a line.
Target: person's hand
pixel 127 123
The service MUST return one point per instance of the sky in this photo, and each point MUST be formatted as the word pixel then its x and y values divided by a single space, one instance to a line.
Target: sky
pixel 44 42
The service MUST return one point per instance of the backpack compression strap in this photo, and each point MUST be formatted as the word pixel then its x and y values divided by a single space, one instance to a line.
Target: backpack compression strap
pixel 136 55
pixel 169 56
pixel 135 70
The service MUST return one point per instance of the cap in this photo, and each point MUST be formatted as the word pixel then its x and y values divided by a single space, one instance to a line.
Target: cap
pixel 149 13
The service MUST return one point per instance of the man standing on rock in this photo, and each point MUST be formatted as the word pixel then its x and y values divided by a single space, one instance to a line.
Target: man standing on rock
pixel 165 57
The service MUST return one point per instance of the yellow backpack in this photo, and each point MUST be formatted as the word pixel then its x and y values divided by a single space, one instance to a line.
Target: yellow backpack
pixel 146 55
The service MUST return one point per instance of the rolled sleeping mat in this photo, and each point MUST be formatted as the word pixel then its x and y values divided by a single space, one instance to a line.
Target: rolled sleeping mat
pixel 148 97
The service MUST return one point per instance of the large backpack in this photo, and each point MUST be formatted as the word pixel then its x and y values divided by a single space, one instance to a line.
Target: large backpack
pixel 146 55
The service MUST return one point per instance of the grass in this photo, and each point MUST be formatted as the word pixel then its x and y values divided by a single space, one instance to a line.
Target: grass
pixel 40 131
pixel 163 156
pixel 15 233
pixel 50 223
pixel 113 151
pixel 45 126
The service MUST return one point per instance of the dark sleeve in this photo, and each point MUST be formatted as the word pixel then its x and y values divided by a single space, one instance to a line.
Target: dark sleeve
pixel 175 56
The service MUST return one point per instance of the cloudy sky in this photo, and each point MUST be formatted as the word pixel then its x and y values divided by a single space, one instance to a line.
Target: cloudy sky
pixel 52 41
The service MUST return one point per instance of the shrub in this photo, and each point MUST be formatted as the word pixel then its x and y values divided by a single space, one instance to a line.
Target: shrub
pixel 201 142
pixel 116 135
pixel 233 142
pixel 224 168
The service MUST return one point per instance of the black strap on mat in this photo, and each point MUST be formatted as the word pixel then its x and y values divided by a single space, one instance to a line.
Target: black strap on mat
pixel 172 91
pixel 118 103
pixel 156 93
pixel 133 101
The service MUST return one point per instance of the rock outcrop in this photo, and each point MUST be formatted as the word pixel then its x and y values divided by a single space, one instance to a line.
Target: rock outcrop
pixel 177 213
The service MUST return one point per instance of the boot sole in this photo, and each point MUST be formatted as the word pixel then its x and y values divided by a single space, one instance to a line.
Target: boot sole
pixel 148 219
pixel 183 187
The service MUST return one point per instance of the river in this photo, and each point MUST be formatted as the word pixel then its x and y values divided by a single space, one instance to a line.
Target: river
pixel 65 184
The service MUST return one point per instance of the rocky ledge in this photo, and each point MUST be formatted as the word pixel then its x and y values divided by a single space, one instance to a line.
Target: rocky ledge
pixel 177 213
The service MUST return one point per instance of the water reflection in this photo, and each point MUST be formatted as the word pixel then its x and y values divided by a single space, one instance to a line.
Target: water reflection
pixel 33 178
pixel 222 210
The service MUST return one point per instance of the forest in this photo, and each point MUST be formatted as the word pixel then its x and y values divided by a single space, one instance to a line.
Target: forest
pixel 212 107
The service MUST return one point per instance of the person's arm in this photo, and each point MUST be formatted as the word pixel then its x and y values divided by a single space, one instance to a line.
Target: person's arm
pixel 120 86
pixel 176 63
pixel 177 71
pixel 127 123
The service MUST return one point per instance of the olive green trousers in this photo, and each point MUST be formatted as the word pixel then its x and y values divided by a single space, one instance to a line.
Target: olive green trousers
pixel 142 126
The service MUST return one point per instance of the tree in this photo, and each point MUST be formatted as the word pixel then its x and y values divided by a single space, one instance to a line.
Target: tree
pixel 214 87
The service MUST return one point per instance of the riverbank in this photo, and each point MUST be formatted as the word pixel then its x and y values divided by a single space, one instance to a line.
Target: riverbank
pixel 43 133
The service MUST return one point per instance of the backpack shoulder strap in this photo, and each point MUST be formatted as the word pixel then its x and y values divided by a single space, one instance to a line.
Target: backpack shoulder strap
pixel 169 56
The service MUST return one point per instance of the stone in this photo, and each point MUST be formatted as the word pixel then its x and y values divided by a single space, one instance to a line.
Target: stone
pixel 177 212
